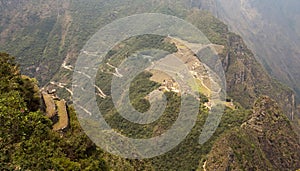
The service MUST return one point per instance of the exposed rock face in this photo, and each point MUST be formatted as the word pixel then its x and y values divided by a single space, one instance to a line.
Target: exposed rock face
pixel 265 142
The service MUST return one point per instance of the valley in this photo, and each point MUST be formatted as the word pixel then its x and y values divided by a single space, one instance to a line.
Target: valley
pixel 259 128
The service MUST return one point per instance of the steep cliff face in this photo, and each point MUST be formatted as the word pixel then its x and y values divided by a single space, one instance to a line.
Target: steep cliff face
pixel 265 142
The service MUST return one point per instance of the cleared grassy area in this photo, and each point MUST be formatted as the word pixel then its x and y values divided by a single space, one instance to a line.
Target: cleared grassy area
pixel 159 76
pixel 198 86
pixel 63 121
pixel 50 105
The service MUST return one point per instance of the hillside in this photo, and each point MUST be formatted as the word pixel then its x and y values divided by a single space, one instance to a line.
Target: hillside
pixel 27 141
pixel 43 35
pixel 46 37
pixel 269 28
pixel 51 37
pixel 244 74
pixel 262 138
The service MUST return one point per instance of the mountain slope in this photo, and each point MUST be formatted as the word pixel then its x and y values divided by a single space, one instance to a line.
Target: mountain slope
pixel 35 32
pixel 265 139
pixel 270 28
pixel 246 78
pixel 78 20
pixel 50 37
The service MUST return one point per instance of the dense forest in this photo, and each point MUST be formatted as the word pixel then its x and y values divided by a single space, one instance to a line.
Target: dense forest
pixel 26 137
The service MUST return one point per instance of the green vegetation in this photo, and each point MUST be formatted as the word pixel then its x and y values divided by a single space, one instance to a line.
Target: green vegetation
pixel 200 87
pixel 257 143
pixel 188 154
pixel 140 88
pixel 211 27
pixel 47 39
pixel 26 137
pixel 11 80
pixel 27 141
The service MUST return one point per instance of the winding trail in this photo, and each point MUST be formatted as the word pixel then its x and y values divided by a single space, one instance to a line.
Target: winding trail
pixel 117 74
pixel 204 166
pixel 62 85
pixel 101 93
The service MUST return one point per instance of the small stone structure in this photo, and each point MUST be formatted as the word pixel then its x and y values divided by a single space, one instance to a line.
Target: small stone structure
pixel 169 85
